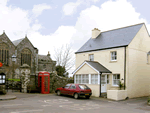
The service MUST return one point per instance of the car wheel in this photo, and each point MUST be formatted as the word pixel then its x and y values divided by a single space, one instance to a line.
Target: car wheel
pixel 76 96
pixel 87 97
pixel 58 93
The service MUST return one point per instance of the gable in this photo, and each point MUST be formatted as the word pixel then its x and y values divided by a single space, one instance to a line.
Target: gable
pixel 114 38
pixel 141 41
pixel 4 39
pixel 86 69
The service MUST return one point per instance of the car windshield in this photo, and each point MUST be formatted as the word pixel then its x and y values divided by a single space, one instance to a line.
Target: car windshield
pixel 83 86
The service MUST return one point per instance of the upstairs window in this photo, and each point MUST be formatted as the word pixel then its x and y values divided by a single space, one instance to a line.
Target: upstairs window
pixel 91 57
pixel 114 56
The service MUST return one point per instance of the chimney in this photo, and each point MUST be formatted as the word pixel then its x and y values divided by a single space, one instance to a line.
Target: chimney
pixel 95 33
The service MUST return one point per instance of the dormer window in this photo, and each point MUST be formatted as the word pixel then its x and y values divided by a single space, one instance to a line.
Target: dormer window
pixel 114 56
pixel 91 57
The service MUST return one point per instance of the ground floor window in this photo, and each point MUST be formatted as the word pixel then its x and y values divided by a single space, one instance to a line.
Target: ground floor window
pixel 116 79
pixel 82 78
pixel 94 78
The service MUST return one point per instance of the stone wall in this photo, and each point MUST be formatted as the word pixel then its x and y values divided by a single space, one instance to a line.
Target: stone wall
pixel 55 82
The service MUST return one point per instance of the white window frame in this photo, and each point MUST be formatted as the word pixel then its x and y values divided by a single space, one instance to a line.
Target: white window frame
pixel 94 78
pixel 86 79
pixel 113 56
pixel 91 57
pixel 115 79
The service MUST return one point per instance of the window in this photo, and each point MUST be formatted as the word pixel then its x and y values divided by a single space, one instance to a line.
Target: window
pixel 2 79
pixel 94 79
pixel 26 57
pixel 82 86
pixel 148 57
pixel 91 57
pixel 73 86
pixel 114 56
pixel 67 86
pixel 84 78
pixel 4 54
pixel 107 79
pixel 116 79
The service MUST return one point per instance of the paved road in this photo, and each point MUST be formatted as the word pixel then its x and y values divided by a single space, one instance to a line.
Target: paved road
pixel 50 103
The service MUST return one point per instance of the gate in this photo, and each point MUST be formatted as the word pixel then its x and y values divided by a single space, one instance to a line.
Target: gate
pixel 13 85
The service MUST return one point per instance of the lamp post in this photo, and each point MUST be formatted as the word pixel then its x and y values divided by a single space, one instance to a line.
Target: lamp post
pixel 13 60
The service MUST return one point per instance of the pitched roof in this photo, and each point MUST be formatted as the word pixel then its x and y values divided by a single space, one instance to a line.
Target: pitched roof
pixel 16 42
pixel 112 38
pixel 95 65
pixel 99 67
pixel 44 57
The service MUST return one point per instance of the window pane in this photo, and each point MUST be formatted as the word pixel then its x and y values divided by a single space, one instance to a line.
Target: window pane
pixel 1 81
pixel 3 76
pixel 0 76
pixel 118 76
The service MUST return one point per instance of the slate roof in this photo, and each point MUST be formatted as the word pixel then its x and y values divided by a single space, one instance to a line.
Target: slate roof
pixel 16 42
pixel 113 38
pixel 98 67
pixel 44 57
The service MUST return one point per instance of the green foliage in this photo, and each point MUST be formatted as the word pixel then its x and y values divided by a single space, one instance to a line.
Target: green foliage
pixel 61 71
pixel 121 85
pixel 13 79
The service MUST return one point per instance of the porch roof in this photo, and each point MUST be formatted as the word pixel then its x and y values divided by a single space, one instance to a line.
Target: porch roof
pixel 94 65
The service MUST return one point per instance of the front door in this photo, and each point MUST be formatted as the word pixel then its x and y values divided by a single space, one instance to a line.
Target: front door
pixel 103 83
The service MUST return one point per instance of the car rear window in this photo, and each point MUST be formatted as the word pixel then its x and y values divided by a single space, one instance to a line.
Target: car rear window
pixel 83 86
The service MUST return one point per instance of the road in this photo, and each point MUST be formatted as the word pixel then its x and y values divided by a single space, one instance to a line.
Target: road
pixel 51 103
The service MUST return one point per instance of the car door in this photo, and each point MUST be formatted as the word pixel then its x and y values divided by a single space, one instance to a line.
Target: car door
pixel 72 89
pixel 65 89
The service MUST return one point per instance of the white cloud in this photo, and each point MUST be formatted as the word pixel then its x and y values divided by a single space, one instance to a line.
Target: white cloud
pixel 110 15
pixel 71 7
pixel 38 9
pixel 3 2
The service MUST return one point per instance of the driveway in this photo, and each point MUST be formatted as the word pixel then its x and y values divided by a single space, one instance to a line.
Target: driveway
pixel 51 103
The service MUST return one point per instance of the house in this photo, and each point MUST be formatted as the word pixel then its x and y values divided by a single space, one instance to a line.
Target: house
pixel 112 56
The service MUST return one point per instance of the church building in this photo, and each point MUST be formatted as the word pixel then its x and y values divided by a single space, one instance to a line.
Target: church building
pixel 25 53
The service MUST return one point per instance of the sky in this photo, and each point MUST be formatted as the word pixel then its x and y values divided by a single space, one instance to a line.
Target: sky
pixel 49 24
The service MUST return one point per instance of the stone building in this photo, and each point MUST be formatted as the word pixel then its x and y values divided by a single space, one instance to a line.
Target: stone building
pixel 26 53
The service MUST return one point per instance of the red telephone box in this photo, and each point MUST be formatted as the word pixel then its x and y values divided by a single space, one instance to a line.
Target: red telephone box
pixel 44 82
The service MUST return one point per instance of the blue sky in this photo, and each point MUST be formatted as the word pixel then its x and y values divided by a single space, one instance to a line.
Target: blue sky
pixel 52 23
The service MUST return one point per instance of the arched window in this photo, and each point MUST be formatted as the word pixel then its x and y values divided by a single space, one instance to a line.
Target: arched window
pixel 26 57
pixel 148 57
pixel 4 53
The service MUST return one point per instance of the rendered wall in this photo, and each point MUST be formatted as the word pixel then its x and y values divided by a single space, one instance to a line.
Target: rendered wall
pixel 138 76
pixel 94 88
pixel 116 94
pixel 104 58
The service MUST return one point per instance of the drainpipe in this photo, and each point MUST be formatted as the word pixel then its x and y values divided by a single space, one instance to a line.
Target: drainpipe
pixel 100 85
pixel 124 67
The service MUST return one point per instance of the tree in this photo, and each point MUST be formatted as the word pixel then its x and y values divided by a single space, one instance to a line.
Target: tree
pixel 61 71
pixel 64 57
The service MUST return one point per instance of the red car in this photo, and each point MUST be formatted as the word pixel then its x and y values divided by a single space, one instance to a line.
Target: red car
pixel 75 90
